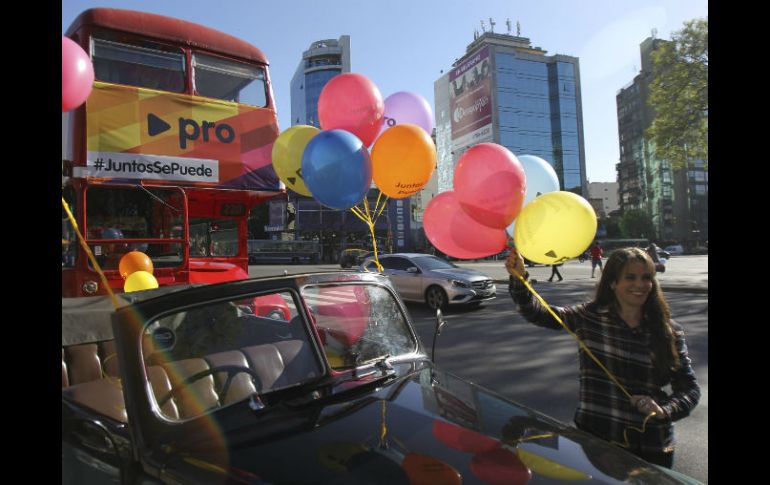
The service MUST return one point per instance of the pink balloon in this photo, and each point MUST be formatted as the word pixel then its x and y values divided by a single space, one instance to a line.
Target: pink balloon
pixel 352 102
pixel 77 75
pixel 490 184
pixel 453 231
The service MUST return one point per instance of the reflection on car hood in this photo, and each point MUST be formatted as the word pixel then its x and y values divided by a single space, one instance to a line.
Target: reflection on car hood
pixel 466 274
pixel 410 428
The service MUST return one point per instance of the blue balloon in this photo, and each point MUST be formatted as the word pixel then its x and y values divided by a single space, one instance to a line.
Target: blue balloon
pixel 337 169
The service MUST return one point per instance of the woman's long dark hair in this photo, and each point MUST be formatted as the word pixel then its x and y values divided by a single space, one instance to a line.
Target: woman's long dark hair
pixel 655 310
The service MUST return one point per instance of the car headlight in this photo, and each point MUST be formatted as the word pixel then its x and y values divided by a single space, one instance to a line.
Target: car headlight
pixel 461 283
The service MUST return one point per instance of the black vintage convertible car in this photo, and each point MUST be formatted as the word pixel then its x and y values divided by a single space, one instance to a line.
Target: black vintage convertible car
pixel 187 385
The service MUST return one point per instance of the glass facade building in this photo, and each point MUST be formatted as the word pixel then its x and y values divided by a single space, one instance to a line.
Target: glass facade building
pixel 675 200
pixel 321 62
pixel 534 107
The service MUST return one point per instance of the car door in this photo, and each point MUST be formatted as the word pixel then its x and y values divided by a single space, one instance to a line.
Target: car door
pixel 408 284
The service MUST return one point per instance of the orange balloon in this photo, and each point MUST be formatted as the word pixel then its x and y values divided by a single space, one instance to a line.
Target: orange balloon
pixel 403 160
pixel 134 261
pixel 426 470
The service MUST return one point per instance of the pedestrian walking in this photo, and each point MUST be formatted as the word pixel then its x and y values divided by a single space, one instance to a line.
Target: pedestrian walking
pixel 628 329
pixel 555 272
pixel 596 258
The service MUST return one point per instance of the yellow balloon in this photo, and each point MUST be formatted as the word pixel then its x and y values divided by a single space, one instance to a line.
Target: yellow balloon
pixel 403 160
pixel 140 280
pixel 548 468
pixel 336 360
pixel 555 227
pixel 287 156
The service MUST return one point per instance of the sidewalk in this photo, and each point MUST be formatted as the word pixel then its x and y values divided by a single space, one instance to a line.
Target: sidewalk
pixel 578 275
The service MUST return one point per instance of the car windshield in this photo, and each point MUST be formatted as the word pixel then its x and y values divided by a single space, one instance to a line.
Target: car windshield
pixel 358 323
pixel 211 355
pixel 432 262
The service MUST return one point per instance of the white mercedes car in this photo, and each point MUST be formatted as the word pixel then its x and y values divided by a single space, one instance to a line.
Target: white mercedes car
pixel 434 281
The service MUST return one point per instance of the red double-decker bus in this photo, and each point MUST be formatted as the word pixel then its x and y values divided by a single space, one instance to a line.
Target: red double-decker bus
pixel 169 153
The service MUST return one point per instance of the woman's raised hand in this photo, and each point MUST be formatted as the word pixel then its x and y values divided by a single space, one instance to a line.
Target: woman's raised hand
pixel 515 263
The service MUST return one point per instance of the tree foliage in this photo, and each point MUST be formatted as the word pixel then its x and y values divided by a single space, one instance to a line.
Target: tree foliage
pixel 679 96
pixel 636 223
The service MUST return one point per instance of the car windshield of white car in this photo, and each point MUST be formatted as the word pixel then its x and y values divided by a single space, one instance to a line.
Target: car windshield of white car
pixel 358 323
pixel 432 262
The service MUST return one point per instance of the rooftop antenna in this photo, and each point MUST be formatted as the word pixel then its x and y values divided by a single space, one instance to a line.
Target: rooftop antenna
pixel 518 29
pixel 491 25
pixel 654 32
pixel 483 28
pixel 475 34
pixel 508 24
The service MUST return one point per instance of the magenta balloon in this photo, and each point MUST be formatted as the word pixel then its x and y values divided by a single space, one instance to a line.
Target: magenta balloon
pixel 405 107
pixel 77 75
pixel 353 103
pixel 490 184
pixel 453 232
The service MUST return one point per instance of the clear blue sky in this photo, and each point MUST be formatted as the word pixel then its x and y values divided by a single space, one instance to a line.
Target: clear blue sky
pixel 403 45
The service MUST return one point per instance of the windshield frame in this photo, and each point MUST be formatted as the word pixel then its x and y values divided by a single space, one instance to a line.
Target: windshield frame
pixel 129 324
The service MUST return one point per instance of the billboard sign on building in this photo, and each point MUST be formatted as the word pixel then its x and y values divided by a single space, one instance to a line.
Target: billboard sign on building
pixel 470 95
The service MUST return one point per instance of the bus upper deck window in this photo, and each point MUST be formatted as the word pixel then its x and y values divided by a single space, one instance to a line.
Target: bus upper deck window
pixel 229 80
pixel 115 62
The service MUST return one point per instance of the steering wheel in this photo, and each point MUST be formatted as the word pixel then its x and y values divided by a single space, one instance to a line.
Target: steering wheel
pixel 230 370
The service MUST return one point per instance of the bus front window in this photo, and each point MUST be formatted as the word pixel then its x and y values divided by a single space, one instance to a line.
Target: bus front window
pixel 116 62
pixel 120 213
pixel 229 80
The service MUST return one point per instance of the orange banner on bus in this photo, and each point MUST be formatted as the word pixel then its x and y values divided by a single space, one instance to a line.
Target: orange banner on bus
pixel 136 133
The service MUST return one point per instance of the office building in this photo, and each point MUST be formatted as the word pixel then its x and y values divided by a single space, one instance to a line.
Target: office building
pixel 603 196
pixel 321 62
pixel 675 200
pixel 505 91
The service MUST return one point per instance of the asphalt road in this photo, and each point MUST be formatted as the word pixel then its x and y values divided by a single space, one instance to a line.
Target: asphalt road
pixel 498 349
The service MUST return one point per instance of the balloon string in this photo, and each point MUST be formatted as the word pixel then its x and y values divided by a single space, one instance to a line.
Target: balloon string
pixel 367 218
pixel 90 254
pixel 383 428
pixel 585 348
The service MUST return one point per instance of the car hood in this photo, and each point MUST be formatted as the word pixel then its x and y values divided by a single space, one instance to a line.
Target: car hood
pixel 422 427
pixel 460 273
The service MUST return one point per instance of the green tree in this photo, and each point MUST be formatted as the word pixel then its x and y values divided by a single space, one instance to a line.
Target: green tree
pixel 679 96
pixel 636 223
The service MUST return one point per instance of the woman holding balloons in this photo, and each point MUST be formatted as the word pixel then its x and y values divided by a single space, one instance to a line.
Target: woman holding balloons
pixel 630 350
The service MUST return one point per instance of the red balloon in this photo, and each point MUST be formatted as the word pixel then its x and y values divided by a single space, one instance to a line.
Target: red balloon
pixel 352 102
pixel 455 233
pixel 490 184
pixel 500 467
pixel 463 439
pixel 77 75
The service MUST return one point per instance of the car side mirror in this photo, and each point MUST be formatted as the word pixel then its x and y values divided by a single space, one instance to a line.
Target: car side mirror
pixel 412 269
pixel 440 322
